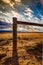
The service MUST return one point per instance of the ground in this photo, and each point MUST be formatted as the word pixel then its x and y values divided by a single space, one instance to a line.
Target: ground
pixel 29 48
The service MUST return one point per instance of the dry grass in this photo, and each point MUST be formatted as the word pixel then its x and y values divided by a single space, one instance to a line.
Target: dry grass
pixel 28 48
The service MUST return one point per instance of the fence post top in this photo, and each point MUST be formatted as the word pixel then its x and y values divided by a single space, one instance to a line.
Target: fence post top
pixel 14 18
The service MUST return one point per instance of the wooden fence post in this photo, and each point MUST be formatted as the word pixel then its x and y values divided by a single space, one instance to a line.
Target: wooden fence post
pixel 15 54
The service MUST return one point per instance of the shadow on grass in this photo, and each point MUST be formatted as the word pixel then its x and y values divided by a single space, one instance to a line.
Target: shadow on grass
pixel 37 52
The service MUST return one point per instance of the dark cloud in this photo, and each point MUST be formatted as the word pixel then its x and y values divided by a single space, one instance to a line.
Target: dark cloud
pixel 4 25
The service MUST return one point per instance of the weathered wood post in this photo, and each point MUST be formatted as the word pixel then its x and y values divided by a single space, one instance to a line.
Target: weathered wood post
pixel 15 54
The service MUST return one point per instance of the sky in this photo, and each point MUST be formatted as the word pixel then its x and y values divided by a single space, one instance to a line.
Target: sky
pixel 24 10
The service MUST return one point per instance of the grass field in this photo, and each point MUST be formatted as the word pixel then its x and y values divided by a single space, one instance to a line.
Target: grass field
pixel 29 48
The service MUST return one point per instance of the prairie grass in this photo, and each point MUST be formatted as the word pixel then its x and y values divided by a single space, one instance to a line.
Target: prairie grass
pixel 27 45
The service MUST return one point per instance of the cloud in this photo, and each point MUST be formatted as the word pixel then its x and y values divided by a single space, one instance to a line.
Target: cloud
pixel 4 25
pixel 6 1
pixel 27 10
pixel 42 2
